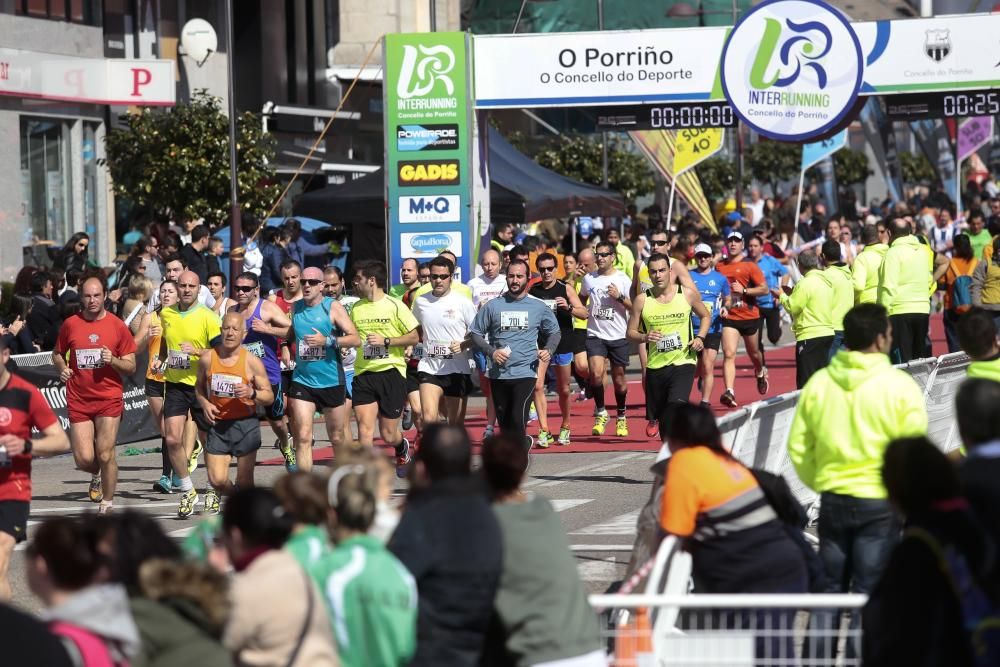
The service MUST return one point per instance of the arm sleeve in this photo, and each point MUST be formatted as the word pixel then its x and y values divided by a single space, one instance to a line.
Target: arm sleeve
pixel 680 501
pixel 407 321
pixel 887 281
pixel 801 446
pixel 42 416
pixel 859 275
pixel 978 279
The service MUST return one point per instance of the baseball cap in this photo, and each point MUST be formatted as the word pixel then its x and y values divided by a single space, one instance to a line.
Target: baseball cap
pixel 703 249
pixel 735 216
pixel 735 235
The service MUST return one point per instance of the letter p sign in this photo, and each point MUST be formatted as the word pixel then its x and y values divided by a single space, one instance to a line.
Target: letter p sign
pixel 140 78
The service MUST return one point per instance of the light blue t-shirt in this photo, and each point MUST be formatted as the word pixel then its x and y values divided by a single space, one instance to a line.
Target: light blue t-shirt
pixel 519 324
pixel 712 286
pixel 773 270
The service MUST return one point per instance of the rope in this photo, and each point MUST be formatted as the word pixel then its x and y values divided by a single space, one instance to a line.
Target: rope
pixel 239 251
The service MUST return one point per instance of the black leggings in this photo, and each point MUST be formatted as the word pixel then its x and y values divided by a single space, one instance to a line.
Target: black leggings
pixel 771 317
pixel 512 398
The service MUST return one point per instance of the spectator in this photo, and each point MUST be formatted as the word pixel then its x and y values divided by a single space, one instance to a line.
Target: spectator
pixel 72 289
pixel 541 603
pixel 74 254
pixel 22 282
pixel 810 304
pixel 193 253
pixel 62 569
pixel 386 514
pixel 44 316
pixel 146 249
pixel 846 416
pixel 904 290
pixel 275 254
pixel 303 496
pixel 449 540
pixel 838 275
pixel 371 597
pixel 977 409
pixel 277 618
pixel 179 608
pixel 986 283
pixel 253 257
pixel 184 231
pixel 21 337
pixel 962 266
pixel 503 236
pixel 978 234
pixel 212 259
pixel 868 264
pixel 138 293
pixel 28 641
pixel 914 616
pixel 298 248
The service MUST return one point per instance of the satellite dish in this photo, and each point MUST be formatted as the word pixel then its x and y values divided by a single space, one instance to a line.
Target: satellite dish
pixel 198 39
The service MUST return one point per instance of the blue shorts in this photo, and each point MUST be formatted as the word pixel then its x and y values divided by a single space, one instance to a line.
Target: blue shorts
pixel 564 359
pixel 349 381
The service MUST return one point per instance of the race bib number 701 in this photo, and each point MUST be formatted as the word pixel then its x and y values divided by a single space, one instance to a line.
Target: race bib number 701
pixel 514 320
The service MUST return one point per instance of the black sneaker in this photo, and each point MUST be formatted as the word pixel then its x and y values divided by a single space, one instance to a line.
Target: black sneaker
pixel 402 458
pixel 762 382
pixel 728 399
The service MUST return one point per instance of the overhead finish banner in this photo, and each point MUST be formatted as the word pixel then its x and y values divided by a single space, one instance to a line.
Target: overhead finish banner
pixel 683 64
pixel 428 144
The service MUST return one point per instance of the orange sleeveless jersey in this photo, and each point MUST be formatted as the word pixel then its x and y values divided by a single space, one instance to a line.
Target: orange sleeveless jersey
pixel 222 382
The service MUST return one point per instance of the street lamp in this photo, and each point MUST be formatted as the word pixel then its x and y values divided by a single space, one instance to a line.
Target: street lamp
pixel 235 218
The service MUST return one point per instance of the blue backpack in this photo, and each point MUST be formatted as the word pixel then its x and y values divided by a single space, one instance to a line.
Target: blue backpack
pixel 961 291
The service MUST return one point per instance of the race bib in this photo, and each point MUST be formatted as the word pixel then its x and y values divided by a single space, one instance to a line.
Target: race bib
pixel 89 359
pixel 308 352
pixel 439 350
pixel 551 303
pixel 669 343
pixel 605 314
pixel 514 320
pixel 418 351
pixel 256 348
pixel 224 386
pixel 376 352
pixel 178 361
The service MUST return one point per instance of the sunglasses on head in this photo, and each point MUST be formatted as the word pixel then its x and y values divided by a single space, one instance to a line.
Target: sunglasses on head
pixel 312 282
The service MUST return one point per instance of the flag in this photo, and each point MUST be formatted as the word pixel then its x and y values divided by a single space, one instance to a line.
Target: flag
pixel 932 135
pixel 973 134
pixel 659 148
pixel 694 146
pixel 882 139
pixel 819 150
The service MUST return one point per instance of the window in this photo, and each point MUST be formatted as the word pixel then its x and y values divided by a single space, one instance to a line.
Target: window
pixel 45 179
pixel 87 12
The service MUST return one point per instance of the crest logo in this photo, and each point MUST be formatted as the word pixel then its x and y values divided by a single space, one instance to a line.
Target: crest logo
pixel 938 44
pixel 6 417
pixel 804 45
pixel 423 67
pixel 93 338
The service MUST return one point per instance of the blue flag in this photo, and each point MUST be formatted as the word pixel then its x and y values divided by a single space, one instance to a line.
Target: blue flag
pixel 817 151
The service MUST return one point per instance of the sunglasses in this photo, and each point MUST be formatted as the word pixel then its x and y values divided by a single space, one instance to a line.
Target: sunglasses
pixel 604 254
pixel 658 242
pixel 311 282
pixel 245 288
pixel 546 269
pixel 440 276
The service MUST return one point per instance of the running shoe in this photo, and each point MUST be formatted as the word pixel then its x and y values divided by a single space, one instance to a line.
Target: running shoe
pixel 728 399
pixel 188 501
pixel 288 452
pixel 600 421
pixel 163 485
pixel 563 436
pixel 488 433
pixel 104 507
pixel 403 458
pixel 95 491
pixel 212 502
pixel 544 440
pixel 407 418
pixel 581 395
pixel 621 427
pixel 762 381
pixel 706 404
pixel 532 413
pixel 195 453
pixel 652 428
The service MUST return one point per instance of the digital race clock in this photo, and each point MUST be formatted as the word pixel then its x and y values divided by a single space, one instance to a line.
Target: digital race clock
pixel 915 106
pixel 664 117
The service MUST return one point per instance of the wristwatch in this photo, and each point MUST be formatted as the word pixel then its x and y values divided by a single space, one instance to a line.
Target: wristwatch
pixel 386 342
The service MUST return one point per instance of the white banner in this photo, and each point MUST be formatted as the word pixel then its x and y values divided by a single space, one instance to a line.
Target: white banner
pixel 118 82
pixel 681 65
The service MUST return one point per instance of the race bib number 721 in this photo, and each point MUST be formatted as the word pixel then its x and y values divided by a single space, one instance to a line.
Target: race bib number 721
pixel 89 359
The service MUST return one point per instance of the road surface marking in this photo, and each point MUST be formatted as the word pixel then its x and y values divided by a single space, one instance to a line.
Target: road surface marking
pixel 623 524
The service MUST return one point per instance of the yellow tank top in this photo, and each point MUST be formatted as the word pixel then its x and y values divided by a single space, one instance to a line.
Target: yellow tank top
pixel 222 381
pixel 577 322
pixel 673 320
pixel 154 348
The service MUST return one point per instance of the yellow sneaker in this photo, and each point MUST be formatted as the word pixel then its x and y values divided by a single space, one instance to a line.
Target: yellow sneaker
pixel 600 421
pixel 621 427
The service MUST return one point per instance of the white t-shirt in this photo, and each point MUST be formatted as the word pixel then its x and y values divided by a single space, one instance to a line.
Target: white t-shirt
pixel 758 210
pixel 443 320
pixel 484 290
pixel 940 236
pixel 348 354
pixel 608 317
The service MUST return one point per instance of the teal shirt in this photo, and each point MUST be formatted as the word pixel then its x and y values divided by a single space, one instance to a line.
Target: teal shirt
pixel 372 600
pixel 309 545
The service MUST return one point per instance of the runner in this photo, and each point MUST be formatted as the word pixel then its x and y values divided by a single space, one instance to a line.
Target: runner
pixel 585 262
pixel 508 330
pixel 320 328
pixel 189 330
pixel 232 382
pixel 386 327
pixel 444 318
pixel 605 292
pixel 776 275
pixel 564 302
pixel 100 349
pixel 284 298
pixel 661 319
pixel 173 266
pixel 456 285
pixel 715 296
pixel 217 288
pixel 484 289
pixel 414 353
pixel 742 319
pixel 264 320
pixel 154 383
pixel 23 408
pixel 408 276
pixel 334 288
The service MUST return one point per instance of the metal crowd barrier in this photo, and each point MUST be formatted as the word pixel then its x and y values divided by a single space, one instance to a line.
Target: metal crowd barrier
pixel 757 434
pixel 730 630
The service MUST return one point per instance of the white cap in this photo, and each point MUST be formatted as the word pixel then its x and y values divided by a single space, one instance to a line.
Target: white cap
pixel 703 249
pixel 735 235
